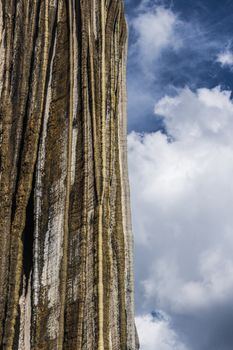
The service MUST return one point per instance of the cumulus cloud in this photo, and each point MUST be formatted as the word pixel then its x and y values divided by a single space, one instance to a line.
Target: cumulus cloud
pixel 155 31
pixel 225 58
pixel 182 201
pixel 157 334
pixel 165 51
pixel 198 115
pixel 213 286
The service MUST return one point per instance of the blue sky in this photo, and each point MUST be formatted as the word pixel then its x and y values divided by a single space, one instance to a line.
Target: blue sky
pixel 180 114
pixel 204 29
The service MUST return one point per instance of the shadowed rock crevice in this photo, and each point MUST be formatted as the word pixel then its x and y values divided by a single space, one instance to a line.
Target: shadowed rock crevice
pixel 28 238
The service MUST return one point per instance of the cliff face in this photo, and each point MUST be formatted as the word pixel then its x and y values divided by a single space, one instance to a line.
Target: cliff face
pixel 66 279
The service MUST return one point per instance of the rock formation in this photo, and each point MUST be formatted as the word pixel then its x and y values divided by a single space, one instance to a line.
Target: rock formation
pixel 66 269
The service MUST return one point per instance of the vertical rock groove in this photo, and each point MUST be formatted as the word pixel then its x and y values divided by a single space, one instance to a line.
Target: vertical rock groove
pixel 66 247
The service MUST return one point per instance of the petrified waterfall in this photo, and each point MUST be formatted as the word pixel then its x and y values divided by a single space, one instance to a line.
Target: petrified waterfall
pixel 66 269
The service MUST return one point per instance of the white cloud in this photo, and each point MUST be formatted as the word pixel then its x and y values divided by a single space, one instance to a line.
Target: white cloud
pixel 155 30
pixel 182 201
pixel 225 58
pixel 201 114
pixel 213 286
pixel 157 334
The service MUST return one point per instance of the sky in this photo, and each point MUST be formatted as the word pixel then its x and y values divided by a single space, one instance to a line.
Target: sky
pixel 180 127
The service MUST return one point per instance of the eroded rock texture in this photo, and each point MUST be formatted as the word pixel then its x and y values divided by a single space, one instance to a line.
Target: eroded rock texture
pixel 66 279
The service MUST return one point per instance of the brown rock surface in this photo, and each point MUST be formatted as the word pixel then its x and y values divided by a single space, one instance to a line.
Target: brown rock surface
pixel 66 269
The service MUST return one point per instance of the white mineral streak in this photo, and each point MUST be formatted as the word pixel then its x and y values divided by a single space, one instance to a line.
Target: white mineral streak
pixel 72 289
pixel 53 250
pixel 75 101
pixel 115 307
pixel 53 324
pixel 89 283
pixel 22 316
pixel 2 49
pixel 110 339
pixel 53 3
pixel 25 317
pixel 126 214
pixel 38 189
pixel 94 19
pixel 73 284
pixel 100 228
pixel 75 68
pixel 74 294
pixel 73 159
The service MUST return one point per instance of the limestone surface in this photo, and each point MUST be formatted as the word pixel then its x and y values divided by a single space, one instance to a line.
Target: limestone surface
pixel 66 263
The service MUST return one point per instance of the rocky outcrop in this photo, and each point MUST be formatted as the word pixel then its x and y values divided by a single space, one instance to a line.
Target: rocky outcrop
pixel 66 269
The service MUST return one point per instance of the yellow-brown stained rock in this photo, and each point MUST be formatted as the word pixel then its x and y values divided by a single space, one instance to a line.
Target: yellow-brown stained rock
pixel 66 267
